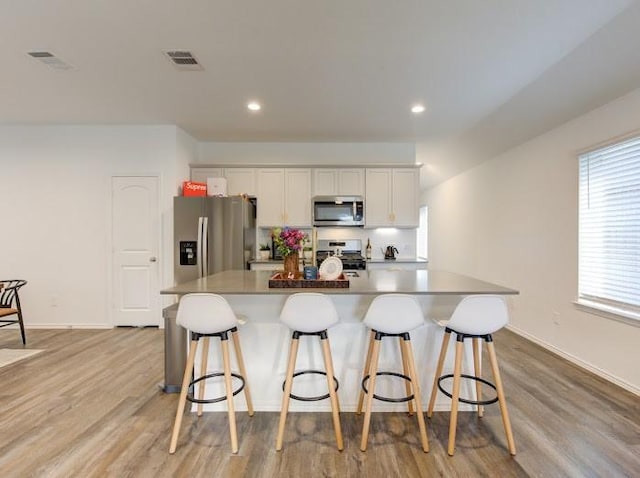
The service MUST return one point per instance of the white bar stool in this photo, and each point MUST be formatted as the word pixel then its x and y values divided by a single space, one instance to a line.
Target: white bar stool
pixel 475 317
pixel 392 315
pixel 310 313
pixel 205 316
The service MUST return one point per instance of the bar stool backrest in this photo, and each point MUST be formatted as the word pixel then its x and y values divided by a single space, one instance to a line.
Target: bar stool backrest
pixel 394 314
pixel 479 315
pixel 205 313
pixel 309 312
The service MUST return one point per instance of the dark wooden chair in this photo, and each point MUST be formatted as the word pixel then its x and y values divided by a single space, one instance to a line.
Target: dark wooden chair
pixel 10 304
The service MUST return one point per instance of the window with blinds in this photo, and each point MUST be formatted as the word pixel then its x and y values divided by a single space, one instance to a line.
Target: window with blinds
pixel 609 227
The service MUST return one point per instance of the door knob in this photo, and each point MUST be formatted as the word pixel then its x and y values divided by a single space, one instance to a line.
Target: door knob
pixel 152 259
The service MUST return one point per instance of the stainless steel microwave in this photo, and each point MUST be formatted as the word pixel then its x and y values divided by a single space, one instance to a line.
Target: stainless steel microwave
pixel 338 211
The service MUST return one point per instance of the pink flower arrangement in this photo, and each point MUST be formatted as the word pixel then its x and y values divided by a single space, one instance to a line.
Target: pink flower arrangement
pixel 288 240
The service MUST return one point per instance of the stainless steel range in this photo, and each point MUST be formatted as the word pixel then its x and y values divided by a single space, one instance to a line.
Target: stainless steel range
pixel 348 251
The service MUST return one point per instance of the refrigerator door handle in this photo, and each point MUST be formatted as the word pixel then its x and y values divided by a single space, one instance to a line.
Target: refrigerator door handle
pixel 199 247
pixel 205 247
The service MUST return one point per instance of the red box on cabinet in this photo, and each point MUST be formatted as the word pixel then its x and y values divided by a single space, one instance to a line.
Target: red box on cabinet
pixel 191 188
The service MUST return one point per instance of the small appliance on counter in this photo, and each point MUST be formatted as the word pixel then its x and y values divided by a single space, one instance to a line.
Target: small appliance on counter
pixel 390 253
pixel 348 251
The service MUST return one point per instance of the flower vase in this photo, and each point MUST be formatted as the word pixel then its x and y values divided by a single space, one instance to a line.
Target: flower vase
pixel 291 264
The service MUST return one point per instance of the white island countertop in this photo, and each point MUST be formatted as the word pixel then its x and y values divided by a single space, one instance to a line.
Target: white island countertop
pixel 419 282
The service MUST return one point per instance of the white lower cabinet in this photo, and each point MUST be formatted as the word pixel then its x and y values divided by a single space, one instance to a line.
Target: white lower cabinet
pixel 266 266
pixel 396 266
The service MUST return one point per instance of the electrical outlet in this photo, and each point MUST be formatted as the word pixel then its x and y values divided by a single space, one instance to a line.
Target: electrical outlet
pixel 555 316
pixel 54 301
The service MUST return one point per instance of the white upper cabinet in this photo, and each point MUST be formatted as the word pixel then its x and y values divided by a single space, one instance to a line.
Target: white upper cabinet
pixel 284 197
pixel 378 198
pixel 404 198
pixel 391 197
pixel 297 197
pixel 351 182
pixel 339 181
pixel 241 181
pixel 270 197
pixel 200 175
pixel 284 194
pixel 325 182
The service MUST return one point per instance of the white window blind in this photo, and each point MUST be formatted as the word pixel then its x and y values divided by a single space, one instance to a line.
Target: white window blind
pixel 609 229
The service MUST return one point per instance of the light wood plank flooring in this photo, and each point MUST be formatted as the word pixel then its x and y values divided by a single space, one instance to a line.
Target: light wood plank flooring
pixel 91 406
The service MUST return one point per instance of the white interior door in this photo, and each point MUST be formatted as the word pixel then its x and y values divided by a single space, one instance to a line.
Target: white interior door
pixel 135 239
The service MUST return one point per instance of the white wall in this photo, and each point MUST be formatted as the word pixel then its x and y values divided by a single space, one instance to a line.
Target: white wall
pixel 513 221
pixel 54 197
pixel 307 153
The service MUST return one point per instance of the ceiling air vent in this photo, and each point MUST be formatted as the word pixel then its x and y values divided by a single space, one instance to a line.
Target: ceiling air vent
pixel 50 60
pixel 183 60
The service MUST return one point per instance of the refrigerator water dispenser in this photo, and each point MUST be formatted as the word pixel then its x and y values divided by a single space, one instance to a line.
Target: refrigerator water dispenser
pixel 188 255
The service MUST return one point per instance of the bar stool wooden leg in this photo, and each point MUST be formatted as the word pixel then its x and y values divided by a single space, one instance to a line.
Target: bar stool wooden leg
pixel 229 389
pixel 188 370
pixel 453 422
pixel 293 353
pixel 203 371
pixel 477 368
pixel 335 408
pixel 243 372
pixel 406 371
pixel 415 385
pixel 333 373
pixel 434 387
pixel 373 369
pixel 501 400
pixel 367 363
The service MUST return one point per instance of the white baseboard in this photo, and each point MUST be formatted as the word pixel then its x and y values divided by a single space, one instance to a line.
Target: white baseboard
pixel 66 326
pixel 577 361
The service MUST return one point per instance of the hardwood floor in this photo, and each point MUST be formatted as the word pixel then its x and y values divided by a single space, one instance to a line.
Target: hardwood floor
pixel 91 406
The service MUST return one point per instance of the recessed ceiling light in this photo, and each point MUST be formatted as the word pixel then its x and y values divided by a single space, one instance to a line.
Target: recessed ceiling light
pixel 254 106
pixel 417 109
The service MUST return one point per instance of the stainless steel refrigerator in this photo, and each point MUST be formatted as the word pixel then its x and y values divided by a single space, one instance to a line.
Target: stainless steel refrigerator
pixel 212 234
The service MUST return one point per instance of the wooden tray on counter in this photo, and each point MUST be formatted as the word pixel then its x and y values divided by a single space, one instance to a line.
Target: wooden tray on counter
pixel 280 281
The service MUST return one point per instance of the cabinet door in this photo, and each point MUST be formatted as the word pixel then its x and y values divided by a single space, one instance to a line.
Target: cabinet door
pixel 351 182
pixel 325 182
pixel 297 197
pixel 201 174
pixel 270 197
pixel 378 197
pixel 271 266
pixel 404 198
pixel 240 181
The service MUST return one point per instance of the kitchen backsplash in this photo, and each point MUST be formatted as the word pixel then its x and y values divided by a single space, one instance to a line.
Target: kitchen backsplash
pixel 403 239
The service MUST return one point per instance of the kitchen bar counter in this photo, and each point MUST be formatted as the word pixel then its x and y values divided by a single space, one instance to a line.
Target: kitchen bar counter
pixel 420 282
pixel 265 340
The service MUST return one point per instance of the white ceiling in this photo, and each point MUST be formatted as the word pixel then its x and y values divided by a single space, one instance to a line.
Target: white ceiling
pixel 491 73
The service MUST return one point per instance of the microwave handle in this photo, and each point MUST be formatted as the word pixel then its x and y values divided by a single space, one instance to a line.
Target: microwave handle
pixel 353 206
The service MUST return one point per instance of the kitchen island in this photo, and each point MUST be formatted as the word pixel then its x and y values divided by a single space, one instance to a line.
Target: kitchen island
pixel 265 340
